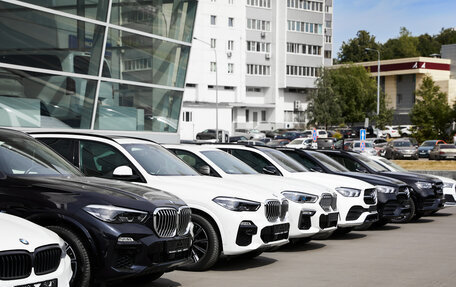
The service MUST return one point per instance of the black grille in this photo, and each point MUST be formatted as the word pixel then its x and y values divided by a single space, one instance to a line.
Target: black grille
pixel 326 201
pixel 429 202
pixel 47 260
pixel 329 220
pixel 334 202
pixel 245 233
pixel 272 210
pixel 123 261
pixel 449 198
pixel 438 188
pixel 355 212
pixel 370 196
pixel 15 265
pixel 275 232
pixel 284 209
pixel 184 218
pixel 304 221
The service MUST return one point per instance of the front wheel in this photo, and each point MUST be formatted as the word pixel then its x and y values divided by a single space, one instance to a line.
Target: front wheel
pixel 407 218
pixel 206 245
pixel 80 259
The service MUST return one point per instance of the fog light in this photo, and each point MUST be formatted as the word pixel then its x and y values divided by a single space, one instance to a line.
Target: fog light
pixel 308 212
pixel 125 240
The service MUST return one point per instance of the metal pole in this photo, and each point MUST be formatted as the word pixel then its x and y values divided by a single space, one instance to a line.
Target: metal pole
pixel 216 88
pixel 378 84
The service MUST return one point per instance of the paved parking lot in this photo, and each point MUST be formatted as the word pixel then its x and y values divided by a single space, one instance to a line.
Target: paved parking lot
pixel 415 254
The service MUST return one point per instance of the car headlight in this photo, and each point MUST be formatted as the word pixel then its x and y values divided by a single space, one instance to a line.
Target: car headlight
pixel 424 185
pixel 114 214
pixel 385 189
pixel 237 204
pixel 300 197
pixel 448 185
pixel 348 192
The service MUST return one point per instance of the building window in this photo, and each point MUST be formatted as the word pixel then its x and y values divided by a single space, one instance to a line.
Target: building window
pixel 328 24
pixel 305 5
pixel 297 48
pixel 213 20
pixel 255 90
pixel 187 116
pixel 302 71
pixel 259 3
pixel 230 1
pixel 230 22
pixel 230 45
pixel 247 116
pixel 304 27
pixel 328 54
pixel 213 67
pixel 213 43
pixel 263 116
pixel 260 25
pixel 258 70
pixel 230 68
pixel 190 85
pixel 253 46
pixel 327 39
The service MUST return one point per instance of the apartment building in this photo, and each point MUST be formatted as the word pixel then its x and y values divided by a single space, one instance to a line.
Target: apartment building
pixel 254 62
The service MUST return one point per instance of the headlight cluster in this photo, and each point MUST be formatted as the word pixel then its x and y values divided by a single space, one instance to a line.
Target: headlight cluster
pixel 448 185
pixel 114 214
pixel 237 204
pixel 385 189
pixel 348 192
pixel 424 185
pixel 300 197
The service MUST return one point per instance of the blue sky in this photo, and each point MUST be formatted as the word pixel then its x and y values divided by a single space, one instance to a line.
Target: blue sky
pixel 383 18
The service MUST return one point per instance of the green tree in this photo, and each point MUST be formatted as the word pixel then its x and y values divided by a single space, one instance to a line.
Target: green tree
pixel 431 113
pixel 446 36
pixel 324 109
pixel 428 45
pixel 404 46
pixel 385 117
pixel 353 51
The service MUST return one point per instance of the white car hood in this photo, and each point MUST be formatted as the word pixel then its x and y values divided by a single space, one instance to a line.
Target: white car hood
pixel 15 230
pixel 331 180
pixel 279 183
pixel 197 188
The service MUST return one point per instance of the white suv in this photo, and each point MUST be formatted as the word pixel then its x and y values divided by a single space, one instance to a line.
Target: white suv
pixel 31 255
pixel 229 218
pixel 312 207
pixel 357 203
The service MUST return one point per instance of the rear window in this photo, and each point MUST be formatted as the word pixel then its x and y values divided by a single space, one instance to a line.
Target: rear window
pixel 447 146
pixel 402 144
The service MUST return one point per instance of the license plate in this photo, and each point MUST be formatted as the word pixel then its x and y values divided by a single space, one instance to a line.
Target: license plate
pixel 450 156
pixel 407 155
pixel 47 283
pixel 177 246
pixel 280 229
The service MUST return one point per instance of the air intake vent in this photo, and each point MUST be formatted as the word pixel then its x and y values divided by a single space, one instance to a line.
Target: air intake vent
pixel 15 265
pixel 47 260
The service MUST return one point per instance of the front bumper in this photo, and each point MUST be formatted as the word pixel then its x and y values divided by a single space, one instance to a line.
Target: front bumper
pixel 423 153
pixel 353 211
pixel 62 275
pixel 392 205
pixel 309 219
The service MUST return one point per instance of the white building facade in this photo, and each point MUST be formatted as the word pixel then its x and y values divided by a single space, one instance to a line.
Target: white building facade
pixel 258 59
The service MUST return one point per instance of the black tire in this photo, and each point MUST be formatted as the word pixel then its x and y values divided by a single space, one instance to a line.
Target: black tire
pixel 343 230
pixel 410 216
pixel 206 245
pixel 143 279
pixel 78 253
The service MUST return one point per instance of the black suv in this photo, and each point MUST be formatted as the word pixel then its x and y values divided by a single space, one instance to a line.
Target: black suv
pixel 393 195
pixel 426 191
pixel 113 229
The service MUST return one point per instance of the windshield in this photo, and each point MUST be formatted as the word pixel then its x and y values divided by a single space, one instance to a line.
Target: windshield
pixel 228 163
pixel 368 144
pixel 391 165
pixel 156 160
pixel 296 141
pixel 329 162
pixel 447 146
pixel 428 143
pixel 370 163
pixel 402 144
pixel 284 161
pixel 27 157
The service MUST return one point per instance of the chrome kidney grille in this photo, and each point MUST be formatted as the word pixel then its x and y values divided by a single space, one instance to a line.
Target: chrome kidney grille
pixel 272 210
pixel 169 222
pixel 326 202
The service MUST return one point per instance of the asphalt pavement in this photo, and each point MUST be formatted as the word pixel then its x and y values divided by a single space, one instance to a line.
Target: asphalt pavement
pixel 414 254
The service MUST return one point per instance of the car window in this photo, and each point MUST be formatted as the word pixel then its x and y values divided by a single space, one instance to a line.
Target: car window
pixel 329 163
pixel 253 159
pixel 156 160
pixel 27 157
pixel 228 163
pixel 402 144
pixel 193 160
pixel 284 161
pixel 429 143
pixel 64 147
pixel 310 165
pixel 447 146
pixel 100 159
pixel 370 163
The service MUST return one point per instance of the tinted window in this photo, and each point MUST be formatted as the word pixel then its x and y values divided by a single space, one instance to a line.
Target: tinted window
pixel 329 162
pixel 194 161
pixel 301 159
pixel 64 147
pixel 429 143
pixel 254 160
pixel 402 144
pixel 369 162
pixel 228 163
pixel 284 161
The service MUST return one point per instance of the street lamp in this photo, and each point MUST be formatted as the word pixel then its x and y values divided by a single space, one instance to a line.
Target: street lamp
pixel 378 83
pixel 216 88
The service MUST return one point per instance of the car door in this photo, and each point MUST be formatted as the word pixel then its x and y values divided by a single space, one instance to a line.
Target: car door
pixel 194 161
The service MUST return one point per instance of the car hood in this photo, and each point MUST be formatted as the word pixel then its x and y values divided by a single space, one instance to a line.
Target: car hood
pixel 331 180
pixel 204 188
pixel 405 148
pixel 16 230
pixel 279 183
pixel 93 190
pixel 410 176
pixel 374 179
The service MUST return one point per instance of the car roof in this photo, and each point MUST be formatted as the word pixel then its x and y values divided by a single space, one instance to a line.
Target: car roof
pixel 112 137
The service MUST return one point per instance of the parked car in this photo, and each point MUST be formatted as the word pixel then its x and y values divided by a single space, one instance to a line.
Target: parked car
pixel 290 135
pixel 352 207
pixel 312 208
pixel 209 134
pixel 326 143
pixel 400 149
pixel 393 195
pixel 269 133
pixel 443 151
pixel 251 134
pixel 235 139
pixel 279 142
pixel 426 147
pixel 449 184
pixel 405 130
pixel 109 226
pixel 304 143
pixel 229 218
pixel 426 192
pixel 251 142
pixel 31 255
pixel 390 132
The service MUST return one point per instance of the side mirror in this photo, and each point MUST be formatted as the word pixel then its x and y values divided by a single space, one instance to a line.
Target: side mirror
pixel 122 171
pixel 204 170
pixel 271 170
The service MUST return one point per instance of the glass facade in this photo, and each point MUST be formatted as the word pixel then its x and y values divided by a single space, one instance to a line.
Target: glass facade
pixel 98 65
